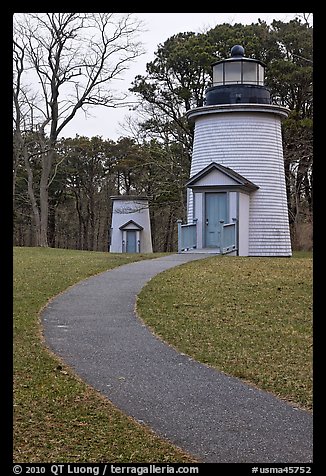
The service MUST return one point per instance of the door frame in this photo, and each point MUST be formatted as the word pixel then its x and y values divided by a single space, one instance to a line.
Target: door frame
pixel 134 232
pixel 124 240
pixel 205 212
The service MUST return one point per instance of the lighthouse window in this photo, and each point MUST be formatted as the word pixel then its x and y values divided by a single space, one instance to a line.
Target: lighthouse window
pixel 218 74
pixel 233 72
pixel 260 75
pixel 250 72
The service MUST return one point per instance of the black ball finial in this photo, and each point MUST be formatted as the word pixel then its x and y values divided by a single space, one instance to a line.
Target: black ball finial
pixel 237 50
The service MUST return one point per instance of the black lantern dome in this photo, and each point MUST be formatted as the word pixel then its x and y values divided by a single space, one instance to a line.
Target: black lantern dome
pixel 237 50
pixel 238 80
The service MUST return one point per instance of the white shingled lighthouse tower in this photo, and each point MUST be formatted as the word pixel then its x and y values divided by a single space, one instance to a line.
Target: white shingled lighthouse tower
pixel 237 199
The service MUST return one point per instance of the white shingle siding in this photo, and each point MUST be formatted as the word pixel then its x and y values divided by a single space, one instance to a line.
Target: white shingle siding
pixel 250 143
pixel 243 224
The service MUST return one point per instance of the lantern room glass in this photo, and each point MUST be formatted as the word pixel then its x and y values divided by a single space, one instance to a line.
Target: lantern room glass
pixel 218 74
pixel 238 72
pixel 249 72
pixel 232 72
pixel 260 75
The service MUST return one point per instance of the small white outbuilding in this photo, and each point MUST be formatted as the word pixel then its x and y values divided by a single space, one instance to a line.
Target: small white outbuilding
pixel 130 228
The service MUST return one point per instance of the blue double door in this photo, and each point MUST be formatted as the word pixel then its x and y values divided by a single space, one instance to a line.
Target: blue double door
pixel 215 210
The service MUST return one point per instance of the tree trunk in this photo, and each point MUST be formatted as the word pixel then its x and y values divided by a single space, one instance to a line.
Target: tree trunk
pixel 80 241
pixel 168 230
pixel 31 194
pixel 44 197
pixel 52 226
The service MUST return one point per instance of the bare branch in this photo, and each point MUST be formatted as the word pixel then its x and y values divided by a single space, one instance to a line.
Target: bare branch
pixel 70 59
pixel 55 170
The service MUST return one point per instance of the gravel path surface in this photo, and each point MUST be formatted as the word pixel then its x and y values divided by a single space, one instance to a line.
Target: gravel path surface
pixel 217 418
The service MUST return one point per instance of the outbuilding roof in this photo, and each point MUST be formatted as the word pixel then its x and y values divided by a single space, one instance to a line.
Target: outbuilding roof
pixel 239 180
pixel 131 225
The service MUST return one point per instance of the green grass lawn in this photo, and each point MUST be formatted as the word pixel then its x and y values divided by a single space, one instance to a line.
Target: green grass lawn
pixel 57 417
pixel 249 317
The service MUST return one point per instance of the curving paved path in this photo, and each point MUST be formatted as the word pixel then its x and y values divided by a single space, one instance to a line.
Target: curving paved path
pixel 217 418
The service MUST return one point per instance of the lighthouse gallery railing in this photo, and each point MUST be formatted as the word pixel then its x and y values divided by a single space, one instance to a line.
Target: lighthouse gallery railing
pixel 187 236
pixel 228 236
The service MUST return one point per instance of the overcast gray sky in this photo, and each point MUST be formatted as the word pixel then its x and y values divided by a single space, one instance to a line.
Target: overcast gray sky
pixel 160 26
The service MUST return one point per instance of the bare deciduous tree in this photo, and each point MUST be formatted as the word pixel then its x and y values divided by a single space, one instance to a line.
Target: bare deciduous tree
pixel 70 59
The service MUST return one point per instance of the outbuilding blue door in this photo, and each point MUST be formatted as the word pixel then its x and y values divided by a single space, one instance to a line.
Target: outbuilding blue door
pixel 216 210
pixel 131 241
